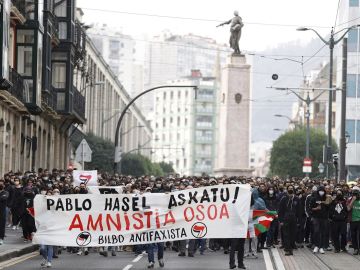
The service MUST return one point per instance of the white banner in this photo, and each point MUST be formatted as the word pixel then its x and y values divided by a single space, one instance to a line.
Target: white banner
pixel 106 189
pixel 89 178
pixel 126 219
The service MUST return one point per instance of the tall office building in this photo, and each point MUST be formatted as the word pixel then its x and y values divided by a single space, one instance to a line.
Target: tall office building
pixel 118 52
pixel 185 126
pixel 349 15
pixel 170 57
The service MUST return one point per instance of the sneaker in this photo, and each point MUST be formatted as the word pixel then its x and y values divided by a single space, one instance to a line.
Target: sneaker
pixel 182 254
pixel 86 252
pixel 321 250
pixel 161 263
pixel 43 263
pixel 79 253
pixel 113 253
pixel 241 266
pixel 151 265
pixel 316 250
pixel 328 249
pixel 1 241
pixel 48 264
pixel 356 252
pixel 25 240
pixel 14 228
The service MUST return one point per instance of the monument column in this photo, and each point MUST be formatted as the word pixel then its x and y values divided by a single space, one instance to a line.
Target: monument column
pixel 234 119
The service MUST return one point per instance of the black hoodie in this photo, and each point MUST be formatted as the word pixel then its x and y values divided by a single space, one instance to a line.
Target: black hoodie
pixel 323 213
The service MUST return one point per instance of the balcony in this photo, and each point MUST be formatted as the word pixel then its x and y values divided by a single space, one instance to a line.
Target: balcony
pixel 17 14
pixel 78 106
pixel 49 99
pixel 15 95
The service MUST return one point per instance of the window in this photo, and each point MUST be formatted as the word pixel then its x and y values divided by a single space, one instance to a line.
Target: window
pixel 171 95
pixel 354 3
pixel 185 162
pixel 353 40
pixel 178 120
pixel 60 105
pixel 357 131
pixel 62 30
pixel 30 9
pixel 164 122
pixel 179 94
pixel 171 120
pixel 186 121
pixel 350 129
pixel 60 8
pixel 58 74
pixel 25 36
pixel 164 96
pixel 351 85
pixel 24 60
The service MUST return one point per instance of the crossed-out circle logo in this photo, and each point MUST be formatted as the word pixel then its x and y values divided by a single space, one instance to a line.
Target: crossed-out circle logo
pixel 83 239
pixel 199 230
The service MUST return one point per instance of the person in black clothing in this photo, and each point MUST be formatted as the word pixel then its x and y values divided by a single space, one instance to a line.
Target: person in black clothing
pixel 289 213
pixel 300 233
pixel 237 244
pixel 272 204
pixel 27 220
pixel 16 203
pixel 338 214
pixel 320 215
pixel 4 195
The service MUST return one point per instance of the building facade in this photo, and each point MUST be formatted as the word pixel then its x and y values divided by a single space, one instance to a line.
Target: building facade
pixel 117 50
pixel 44 76
pixel 170 57
pixel 106 97
pixel 185 125
pixel 349 13
pixel 41 42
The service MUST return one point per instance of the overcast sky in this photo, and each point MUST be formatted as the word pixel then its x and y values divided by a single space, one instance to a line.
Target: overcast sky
pixel 258 33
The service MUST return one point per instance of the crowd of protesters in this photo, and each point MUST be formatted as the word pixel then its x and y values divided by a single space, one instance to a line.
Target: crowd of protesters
pixel 320 214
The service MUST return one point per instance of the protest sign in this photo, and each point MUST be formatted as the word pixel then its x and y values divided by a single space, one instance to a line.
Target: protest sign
pixel 130 219
pixel 89 178
pixel 105 189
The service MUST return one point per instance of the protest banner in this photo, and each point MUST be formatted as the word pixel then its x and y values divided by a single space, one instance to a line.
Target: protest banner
pixel 130 219
pixel 105 189
pixel 89 178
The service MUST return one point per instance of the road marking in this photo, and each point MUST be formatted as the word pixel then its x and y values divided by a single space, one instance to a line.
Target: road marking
pixel 138 258
pixel 267 260
pixel 127 267
pixel 18 259
pixel 278 262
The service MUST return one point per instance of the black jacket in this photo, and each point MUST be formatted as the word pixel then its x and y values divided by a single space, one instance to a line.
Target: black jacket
pixel 4 195
pixel 272 202
pixel 323 213
pixel 338 210
pixel 289 207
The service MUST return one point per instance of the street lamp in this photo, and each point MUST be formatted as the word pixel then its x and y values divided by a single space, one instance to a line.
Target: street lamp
pixel 278 129
pixel 92 84
pixel 117 154
pixel 331 43
pixel 287 117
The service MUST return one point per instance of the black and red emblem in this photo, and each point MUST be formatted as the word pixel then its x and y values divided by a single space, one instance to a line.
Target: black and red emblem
pixel 199 230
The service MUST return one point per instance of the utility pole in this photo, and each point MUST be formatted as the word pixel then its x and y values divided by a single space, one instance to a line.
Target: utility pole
pixel 307 101
pixel 342 143
pixel 331 43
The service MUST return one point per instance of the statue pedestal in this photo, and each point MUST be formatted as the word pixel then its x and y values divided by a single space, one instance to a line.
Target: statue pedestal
pixel 234 119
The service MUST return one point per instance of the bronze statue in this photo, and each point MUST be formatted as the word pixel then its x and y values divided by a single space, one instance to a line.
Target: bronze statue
pixel 236 25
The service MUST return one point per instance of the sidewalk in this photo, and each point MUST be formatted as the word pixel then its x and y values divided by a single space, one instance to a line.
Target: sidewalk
pixel 14 245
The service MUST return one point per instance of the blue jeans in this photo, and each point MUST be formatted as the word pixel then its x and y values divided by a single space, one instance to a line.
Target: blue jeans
pixel 150 250
pixel 47 252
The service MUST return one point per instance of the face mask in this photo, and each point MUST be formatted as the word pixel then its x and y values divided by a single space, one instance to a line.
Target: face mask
pixel 43 192
pixel 271 192
pixel 321 193
pixel 56 193
pixel 290 191
pixel 45 178
pixel 158 185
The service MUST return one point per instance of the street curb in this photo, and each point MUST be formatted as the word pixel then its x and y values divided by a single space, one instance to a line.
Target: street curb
pixel 4 256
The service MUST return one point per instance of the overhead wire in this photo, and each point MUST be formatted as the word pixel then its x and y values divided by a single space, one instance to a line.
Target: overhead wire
pixel 190 18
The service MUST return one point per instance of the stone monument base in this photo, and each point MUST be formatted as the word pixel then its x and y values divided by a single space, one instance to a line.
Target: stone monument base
pixel 233 172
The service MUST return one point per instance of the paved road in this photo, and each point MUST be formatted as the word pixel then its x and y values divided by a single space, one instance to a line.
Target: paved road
pixel 128 261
